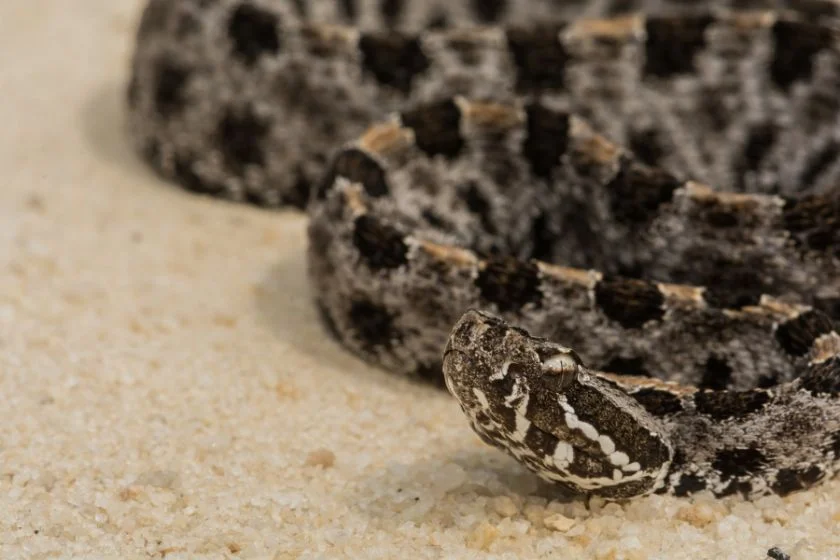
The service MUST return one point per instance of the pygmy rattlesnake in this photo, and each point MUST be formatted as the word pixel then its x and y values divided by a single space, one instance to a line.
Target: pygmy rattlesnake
pixel 543 136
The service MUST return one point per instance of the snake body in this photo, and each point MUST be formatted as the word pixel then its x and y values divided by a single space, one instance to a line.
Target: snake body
pixel 538 176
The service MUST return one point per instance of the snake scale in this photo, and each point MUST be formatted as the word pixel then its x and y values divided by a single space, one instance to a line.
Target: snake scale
pixel 655 185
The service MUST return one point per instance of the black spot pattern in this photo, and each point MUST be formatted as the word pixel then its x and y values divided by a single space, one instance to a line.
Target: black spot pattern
pixel 689 484
pixel 760 140
pixel 732 463
pixel 478 205
pixel 629 302
pixel 672 44
pixel 393 59
pixel 733 284
pixel 721 405
pixel 488 11
pixel 436 128
pixel 797 335
pixel 509 283
pixel 814 221
pixel 298 196
pixel 380 245
pixel 540 58
pixel 240 136
pixel 546 139
pixel 658 403
pixel 791 480
pixel 358 167
pixel 253 32
pixel 716 375
pixel 637 191
pixel 796 43
pixel 373 324
pixel 646 146
pixel 169 91
pixel 823 378
pixel 543 238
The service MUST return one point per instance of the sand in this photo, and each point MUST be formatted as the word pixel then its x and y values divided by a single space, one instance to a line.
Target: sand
pixel 168 392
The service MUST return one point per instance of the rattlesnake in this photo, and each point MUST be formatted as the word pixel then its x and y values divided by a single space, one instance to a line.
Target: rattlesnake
pixel 543 135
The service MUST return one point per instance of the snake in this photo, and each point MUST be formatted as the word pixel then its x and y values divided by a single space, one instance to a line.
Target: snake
pixel 608 228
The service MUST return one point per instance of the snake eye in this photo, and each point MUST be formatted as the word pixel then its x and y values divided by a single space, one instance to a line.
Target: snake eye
pixel 564 363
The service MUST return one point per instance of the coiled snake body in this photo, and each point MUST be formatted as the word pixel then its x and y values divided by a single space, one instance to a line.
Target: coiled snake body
pixel 532 166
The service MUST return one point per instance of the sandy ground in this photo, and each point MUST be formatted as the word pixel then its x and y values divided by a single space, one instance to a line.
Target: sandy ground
pixel 167 390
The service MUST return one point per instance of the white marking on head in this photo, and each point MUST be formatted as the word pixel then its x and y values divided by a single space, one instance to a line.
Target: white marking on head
pixel 575 423
pixel 607 444
pixel 632 467
pixel 617 475
pixel 619 458
pixel 563 455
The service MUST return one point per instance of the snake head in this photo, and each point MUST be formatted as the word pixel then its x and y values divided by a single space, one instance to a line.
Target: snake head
pixel 537 401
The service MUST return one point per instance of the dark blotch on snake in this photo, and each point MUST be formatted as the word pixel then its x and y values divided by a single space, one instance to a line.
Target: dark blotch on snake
pixel 629 302
pixel 689 484
pixel 797 335
pixel 792 480
pixel 547 138
pixel 735 284
pixel 796 44
pixel 672 44
pixel 657 402
pixel 509 283
pixel 646 146
pixel 717 374
pixel 814 221
pixel 357 167
pixel 478 204
pixel 169 90
pixel 437 128
pixel 373 324
pixel 637 191
pixel 253 32
pixel 759 142
pixel 540 58
pixel 380 245
pixel 823 378
pixel 240 137
pixel 732 463
pixel 720 405
pixel 393 59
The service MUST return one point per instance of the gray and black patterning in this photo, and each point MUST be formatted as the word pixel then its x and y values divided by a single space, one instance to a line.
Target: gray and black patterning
pixel 628 210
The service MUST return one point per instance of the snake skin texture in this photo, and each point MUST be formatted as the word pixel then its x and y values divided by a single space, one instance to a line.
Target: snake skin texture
pixel 655 189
